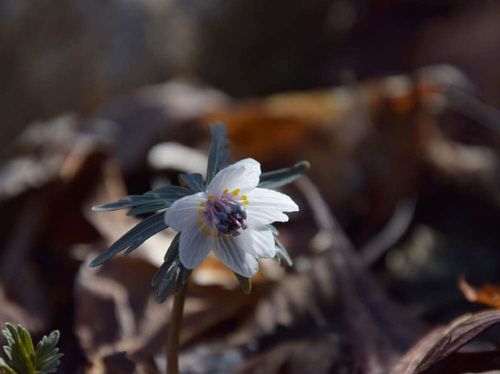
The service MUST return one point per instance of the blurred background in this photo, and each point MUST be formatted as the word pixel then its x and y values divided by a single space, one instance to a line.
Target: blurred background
pixel 393 103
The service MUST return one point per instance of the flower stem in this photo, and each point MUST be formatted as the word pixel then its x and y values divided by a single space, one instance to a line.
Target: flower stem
pixel 174 331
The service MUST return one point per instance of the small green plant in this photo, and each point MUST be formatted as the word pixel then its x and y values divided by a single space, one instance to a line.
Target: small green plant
pixel 24 358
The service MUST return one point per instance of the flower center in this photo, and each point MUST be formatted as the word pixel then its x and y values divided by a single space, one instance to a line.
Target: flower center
pixel 224 215
pixel 227 215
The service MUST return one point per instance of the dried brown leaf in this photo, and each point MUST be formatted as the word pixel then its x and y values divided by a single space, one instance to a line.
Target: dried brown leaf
pixel 487 294
pixel 444 341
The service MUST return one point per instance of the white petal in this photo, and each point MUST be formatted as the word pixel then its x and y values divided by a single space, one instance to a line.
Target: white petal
pixel 235 257
pixel 266 206
pixel 183 213
pixel 194 247
pixel 259 243
pixel 244 174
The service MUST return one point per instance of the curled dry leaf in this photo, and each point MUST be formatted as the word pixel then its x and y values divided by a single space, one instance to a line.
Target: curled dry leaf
pixel 487 294
pixel 444 341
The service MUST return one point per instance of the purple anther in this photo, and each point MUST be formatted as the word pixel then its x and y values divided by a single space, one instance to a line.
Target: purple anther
pixel 222 228
pixel 222 216
pixel 226 215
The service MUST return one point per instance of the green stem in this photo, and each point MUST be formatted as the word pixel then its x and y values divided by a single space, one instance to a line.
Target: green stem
pixel 174 331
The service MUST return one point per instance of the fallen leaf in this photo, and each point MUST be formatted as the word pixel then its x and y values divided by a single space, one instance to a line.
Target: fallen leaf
pixel 487 294
pixel 444 341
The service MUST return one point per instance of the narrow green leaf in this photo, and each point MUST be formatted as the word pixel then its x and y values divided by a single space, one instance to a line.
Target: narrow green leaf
pixel 171 256
pixel 9 338
pixel 133 238
pixel 47 356
pixel 50 364
pixel 282 256
pixel 8 351
pixel 274 230
pixel 194 181
pixel 163 197
pixel 167 281
pixel 281 177
pixel 165 277
pixel 46 346
pixel 218 155
pixel 147 208
pixel 25 338
pixel 173 250
pixel 129 202
pixel 169 192
pixel 19 349
pixel 24 358
pixel 5 368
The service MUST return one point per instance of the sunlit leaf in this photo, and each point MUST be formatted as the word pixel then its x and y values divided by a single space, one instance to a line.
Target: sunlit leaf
pixel 5 368
pixel 24 358
pixel 47 356
pixel 133 238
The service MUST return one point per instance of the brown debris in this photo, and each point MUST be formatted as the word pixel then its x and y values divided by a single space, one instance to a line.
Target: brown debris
pixel 487 294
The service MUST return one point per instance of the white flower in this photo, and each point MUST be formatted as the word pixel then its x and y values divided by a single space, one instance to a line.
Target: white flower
pixel 230 218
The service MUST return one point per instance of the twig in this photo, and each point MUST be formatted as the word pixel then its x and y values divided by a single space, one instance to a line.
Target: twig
pixel 391 233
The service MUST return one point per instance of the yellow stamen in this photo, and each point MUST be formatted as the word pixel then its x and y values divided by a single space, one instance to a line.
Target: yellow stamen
pixel 246 202
pixel 201 203
pixel 211 197
pixel 226 191
pixel 206 231
pixel 200 222
pixel 244 197
pixel 200 212
pixel 236 192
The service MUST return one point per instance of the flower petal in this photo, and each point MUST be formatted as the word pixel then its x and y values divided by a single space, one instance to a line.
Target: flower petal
pixel 267 206
pixel 243 175
pixel 235 257
pixel 183 213
pixel 194 247
pixel 259 243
